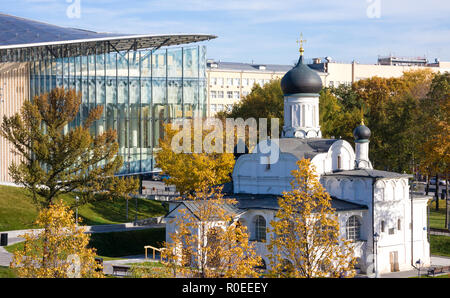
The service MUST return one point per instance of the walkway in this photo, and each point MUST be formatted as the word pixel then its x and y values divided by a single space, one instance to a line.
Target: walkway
pixel 435 261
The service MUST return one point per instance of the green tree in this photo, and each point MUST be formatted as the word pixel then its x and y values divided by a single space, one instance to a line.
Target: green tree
pixel 262 102
pixel 57 159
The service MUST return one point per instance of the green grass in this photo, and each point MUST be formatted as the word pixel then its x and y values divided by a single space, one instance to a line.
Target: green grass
pixel 437 217
pixel 438 276
pixel 18 212
pixel 112 246
pixel 440 245
pixel 119 244
pixel 6 272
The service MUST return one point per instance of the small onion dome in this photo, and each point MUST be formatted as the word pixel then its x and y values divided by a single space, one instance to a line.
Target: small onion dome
pixel 361 134
pixel 301 79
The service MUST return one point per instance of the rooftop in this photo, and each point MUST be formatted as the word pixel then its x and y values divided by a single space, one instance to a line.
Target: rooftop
pixel 370 173
pixel 27 40
pixel 305 148
pixel 236 66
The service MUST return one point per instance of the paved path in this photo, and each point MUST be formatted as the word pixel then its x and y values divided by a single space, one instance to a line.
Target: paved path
pixel 435 261
pixel 107 265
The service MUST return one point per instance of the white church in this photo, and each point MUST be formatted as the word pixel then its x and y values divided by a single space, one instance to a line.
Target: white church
pixel 376 210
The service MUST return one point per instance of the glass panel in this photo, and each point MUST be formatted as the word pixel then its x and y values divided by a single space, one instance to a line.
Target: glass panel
pixel 174 63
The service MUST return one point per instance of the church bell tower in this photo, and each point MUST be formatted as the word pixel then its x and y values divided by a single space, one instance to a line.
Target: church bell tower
pixel 301 86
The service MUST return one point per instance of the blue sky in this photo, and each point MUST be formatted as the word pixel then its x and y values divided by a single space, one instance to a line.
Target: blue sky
pixel 266 31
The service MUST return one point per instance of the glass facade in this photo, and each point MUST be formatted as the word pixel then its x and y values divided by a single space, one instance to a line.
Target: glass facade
pixel 139 90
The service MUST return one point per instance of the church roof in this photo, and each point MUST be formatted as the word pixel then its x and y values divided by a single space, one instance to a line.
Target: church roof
pixel 195 206
pixel 301 79
pixel 270 201
pixel 305 148
pixel 369 173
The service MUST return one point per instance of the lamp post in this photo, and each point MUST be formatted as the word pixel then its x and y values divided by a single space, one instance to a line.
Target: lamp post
pixel 376 237
pixel 418 263
pixel 77 199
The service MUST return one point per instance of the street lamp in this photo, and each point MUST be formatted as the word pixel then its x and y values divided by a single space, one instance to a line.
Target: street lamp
pixel 376 237
pixel 77 199
pixel 418 264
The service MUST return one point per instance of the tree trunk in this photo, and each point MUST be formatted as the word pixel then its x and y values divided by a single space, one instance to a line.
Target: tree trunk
pixel 436 192
pixel 447 209
pixel 427 187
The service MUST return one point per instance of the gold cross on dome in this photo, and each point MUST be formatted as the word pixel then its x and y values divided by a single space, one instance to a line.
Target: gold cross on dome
pixel 301 42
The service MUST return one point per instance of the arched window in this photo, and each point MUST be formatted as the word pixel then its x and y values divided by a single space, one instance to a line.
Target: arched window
pixel 353 228
pixel 260 228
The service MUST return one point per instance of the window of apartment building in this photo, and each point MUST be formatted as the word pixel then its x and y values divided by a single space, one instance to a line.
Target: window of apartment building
pixel 229 108
pixel 251 82
pixel 261 82
pixel 213 109
pixel 219 108
pixel 244 82
pixel 244 93
pixel 220 81
pixel 331 84
pixel 237 82
pixel 213 94
pixel 213 81
pixel 230 82
pixel 266 81
pixel 236 95
pixel 229 94
pixel 219 94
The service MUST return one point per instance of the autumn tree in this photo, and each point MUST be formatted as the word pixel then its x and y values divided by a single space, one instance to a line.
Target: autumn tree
pixel 58 251
pixel 436 128
pixel 306 240
pixel 57 158
pixel 210 241
pixel 193 170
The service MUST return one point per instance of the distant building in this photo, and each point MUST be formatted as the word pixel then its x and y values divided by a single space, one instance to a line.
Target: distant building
pixel 228 82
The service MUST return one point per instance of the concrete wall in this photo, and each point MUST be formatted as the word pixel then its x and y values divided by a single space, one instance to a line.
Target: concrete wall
pixel 14 90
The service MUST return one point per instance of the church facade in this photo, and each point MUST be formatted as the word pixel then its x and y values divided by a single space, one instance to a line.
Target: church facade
pixel 376 211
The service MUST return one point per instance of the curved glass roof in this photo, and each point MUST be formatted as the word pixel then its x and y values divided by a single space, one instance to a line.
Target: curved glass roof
pixel 26 40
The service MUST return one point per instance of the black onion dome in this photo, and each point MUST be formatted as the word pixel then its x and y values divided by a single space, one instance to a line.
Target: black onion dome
pixel 301 79
pixel 361 133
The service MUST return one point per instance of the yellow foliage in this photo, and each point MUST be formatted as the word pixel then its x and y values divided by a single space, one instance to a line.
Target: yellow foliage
pixel 59 250
pixel 210 243
pixel 190 171
pixel 306 232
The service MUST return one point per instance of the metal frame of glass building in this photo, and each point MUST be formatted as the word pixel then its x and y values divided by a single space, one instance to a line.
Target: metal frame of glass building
pixel 140 84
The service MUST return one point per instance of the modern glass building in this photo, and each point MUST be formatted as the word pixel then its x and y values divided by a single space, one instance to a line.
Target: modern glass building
pixel 142 81
pixel 139 90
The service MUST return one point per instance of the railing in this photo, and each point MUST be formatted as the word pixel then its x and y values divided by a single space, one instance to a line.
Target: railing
pixel 155 249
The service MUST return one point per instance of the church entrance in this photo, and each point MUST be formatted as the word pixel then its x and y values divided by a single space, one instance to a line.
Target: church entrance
pixel 393 256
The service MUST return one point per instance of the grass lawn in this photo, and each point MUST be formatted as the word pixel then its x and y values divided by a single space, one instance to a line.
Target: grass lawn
pixel 440 245
pixel 18 212
pixel 437 218
pixel 6 272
